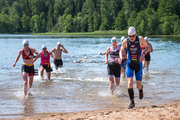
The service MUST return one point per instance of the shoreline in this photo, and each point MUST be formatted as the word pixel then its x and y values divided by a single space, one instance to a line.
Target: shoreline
pixel 151 112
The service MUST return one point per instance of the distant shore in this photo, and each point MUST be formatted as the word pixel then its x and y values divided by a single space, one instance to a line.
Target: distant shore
pixel 152 112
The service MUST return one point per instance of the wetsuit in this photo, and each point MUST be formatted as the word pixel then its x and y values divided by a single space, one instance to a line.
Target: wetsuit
pixel 133 64
pixel 113 67
pixel 147 56
pixel 28 68
pixel 45 62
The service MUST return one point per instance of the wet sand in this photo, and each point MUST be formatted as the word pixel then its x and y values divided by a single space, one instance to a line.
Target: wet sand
pixel 153 112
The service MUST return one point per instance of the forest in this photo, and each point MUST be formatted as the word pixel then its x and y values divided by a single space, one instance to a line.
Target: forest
pixel 149 17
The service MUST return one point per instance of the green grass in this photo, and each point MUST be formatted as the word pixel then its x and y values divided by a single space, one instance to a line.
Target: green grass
pixel 110 32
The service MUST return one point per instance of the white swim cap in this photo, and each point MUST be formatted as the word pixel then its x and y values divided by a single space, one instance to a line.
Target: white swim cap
pixel 146 38
pixel 25 42
pixel 122 38
pixel 58 43
pixel 131 31
pixel 85 57
pixel 114 39
pixel 44 46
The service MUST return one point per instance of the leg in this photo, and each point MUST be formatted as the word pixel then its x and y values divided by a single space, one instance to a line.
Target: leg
pixel 140 87
pixel 48 75
pixel 122 72
pixel 147 64
pixel 24 76
pixel 30 82
pixel 41 71
pixel 131 92
pixel 117 81
pixel 112 86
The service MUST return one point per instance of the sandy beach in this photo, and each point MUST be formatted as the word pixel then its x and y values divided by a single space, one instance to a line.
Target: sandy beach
pixel 152 112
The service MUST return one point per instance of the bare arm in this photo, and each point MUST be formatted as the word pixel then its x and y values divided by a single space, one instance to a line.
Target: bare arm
pixel 106 55
pixel 50 53
pixel 146 50
pixel 122 50
pixel 64 50
pixel 17 58
pixel 151 49
pixel 38 56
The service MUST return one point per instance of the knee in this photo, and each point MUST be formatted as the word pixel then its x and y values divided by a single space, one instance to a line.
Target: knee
pixel 130 84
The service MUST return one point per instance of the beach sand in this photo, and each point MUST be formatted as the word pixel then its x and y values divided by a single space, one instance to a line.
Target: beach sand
pixel 169 111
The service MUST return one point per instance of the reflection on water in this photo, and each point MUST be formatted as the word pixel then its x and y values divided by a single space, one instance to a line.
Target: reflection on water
pixel 83 86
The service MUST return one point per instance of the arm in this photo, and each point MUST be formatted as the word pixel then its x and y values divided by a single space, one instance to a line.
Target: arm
pixel 64 50
pixel 122 51
pixel 151 49
pixel 146 50
pixel 17 58
pixel 38 56
pixel 106 55
pixel 50 53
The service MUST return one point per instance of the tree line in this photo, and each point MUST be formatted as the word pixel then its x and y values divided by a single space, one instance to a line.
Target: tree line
pixel 149 17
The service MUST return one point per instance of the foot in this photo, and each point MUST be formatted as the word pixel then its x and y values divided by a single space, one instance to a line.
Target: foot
pixel 112 91
pixel 141 93
pixel 131 105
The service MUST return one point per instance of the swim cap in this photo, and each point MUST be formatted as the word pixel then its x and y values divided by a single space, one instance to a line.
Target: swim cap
pixel 58 43
pixel 122 38
pixel 25 42
pixel 131 31
pixel 146 38
pixel 44 46
pixel 85 57
pixel 114 39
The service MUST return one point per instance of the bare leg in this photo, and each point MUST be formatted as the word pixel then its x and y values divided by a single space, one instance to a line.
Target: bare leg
pixel 25 80
pixel 147 64
pixel 41 71
pixel 112 86
pixel 48 75
pixel 117 81
pixel 122 72
pixel 140 87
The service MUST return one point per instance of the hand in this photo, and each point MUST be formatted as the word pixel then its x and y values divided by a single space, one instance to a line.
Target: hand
pixel 106 62
pixel 30 56
pixel 142 57
pixel 119 60
pixel 14 64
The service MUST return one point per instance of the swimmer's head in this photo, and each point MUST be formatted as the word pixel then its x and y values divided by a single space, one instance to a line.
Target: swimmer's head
pixel 114 39
pixel 146 38
pixel 85 57
pixel 122 38
pixel 72 55
pixel 131 31
pixel 44 47
pixel 75 61
pixel 25 42
pixel 58 43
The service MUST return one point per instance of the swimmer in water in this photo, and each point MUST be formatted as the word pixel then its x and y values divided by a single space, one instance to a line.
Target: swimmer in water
pixel 113 67
pixel 28 66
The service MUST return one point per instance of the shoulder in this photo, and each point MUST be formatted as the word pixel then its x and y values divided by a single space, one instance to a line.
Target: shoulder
pixel 140 38
pixel 53 49
pixel 20 51
pixel 32 49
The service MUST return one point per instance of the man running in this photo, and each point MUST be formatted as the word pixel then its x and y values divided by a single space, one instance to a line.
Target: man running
pixel 113 67
pixel 146 62
pixel 58 55
pixel 134 44
pixel 27 67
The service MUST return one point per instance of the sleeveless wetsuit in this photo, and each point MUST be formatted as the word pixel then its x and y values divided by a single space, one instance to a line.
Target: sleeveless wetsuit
pixel 27 68
pixel 113 67
pixel 133 64
pixel 45 62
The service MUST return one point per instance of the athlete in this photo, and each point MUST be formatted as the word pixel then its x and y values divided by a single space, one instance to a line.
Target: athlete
pixel 58 55
pixel 113 67
pixel 80 60
pixel 146 62
pixel 124 61
pixel 27 67
pixel 45 61
pixel 134 44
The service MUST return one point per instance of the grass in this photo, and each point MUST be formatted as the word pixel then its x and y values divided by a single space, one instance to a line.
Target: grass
pixel 110 32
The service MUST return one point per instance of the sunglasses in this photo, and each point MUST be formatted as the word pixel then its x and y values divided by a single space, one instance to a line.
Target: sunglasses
pixel 26 45
pixel 44 48
pixel 131 36
pixel 113 40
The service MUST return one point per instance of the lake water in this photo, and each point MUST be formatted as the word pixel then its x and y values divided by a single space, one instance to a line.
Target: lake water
pixel 83 86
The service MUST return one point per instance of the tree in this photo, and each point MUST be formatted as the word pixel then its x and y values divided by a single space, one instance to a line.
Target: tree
pixel 25 22
pixel 121 23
